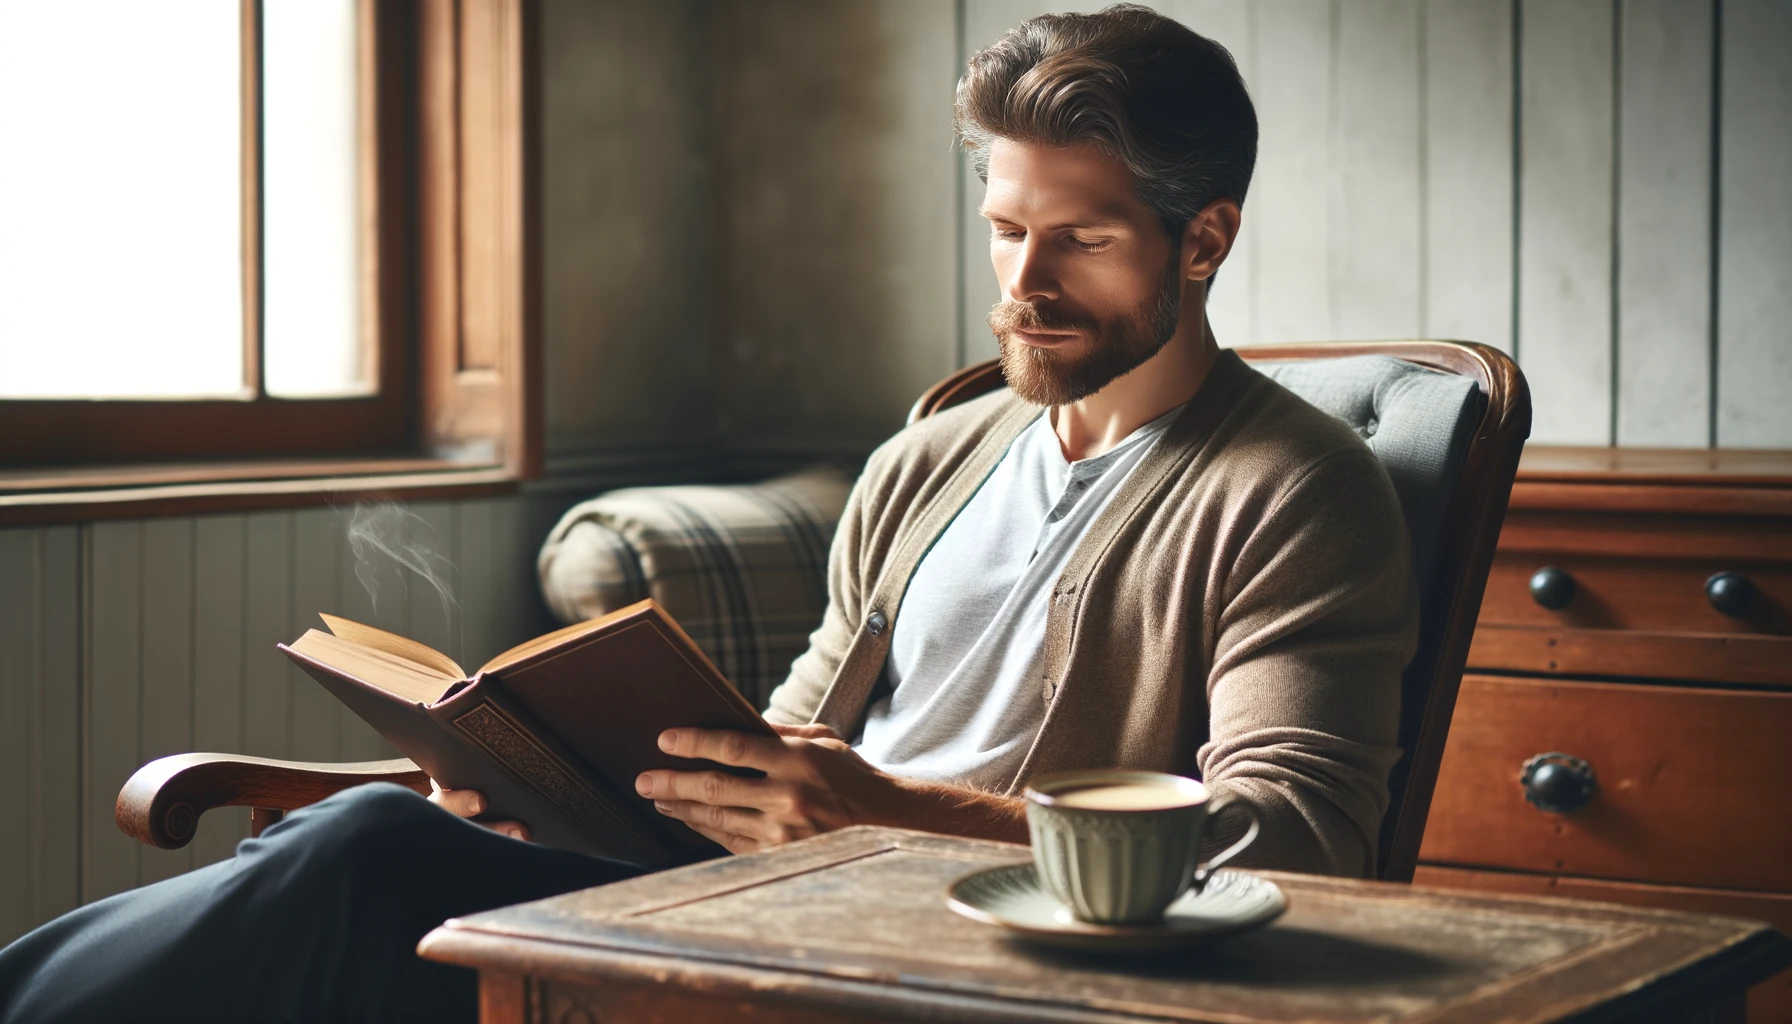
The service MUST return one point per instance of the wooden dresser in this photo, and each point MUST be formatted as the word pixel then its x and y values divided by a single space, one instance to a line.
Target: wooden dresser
pixel 1624 730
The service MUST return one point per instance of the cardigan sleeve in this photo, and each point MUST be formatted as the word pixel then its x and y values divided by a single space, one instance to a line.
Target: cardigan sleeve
pixel 1319 621
pixel 798 698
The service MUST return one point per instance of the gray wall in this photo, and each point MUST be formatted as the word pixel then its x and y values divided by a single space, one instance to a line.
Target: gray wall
pixel 759 247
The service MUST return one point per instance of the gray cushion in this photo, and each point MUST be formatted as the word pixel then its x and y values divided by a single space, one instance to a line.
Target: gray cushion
pixel 1418 422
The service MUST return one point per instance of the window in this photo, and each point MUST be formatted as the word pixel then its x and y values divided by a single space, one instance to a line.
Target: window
pixel 250 229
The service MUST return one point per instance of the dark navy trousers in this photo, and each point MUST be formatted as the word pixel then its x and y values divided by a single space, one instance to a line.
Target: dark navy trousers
pixel 316 920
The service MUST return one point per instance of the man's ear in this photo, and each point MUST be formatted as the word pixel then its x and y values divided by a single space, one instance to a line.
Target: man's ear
pixel 1208 237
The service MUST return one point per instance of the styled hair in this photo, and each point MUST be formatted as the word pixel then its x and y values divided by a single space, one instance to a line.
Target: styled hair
pixel 1166 102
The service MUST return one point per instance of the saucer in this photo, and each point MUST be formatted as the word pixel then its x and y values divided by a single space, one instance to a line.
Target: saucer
pixel 1010 896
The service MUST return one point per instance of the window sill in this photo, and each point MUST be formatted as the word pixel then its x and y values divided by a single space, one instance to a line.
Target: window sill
pixel 40 496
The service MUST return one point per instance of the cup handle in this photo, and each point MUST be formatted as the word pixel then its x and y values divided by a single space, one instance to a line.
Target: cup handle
pixel 1226 803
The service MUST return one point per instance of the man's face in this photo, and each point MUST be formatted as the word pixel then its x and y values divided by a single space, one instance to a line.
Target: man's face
pixel 1091 284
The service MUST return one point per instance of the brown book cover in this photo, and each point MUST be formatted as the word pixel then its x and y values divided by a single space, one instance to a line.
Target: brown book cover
pixel 552 731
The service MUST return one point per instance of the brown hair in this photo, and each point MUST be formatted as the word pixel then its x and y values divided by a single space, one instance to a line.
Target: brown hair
pixel 1163 100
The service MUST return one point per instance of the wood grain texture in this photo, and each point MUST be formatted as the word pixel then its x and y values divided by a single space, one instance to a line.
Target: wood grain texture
pixel 1566 217
pixel 1377 179
pixel 112 686
pixel 1708 658
pixel 1769 1001
pixel 1665 56
pixel 772 931
pixel 1677 769
pixel 1665 595
pixel 1754 353
pixel 1291 191
pixel 1467 95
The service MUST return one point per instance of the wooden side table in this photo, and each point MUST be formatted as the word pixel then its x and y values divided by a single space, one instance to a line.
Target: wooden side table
pixel 851 926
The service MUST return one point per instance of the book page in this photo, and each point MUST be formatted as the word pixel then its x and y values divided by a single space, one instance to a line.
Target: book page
pixel 544 642
pixel 396 675
pixel 393 644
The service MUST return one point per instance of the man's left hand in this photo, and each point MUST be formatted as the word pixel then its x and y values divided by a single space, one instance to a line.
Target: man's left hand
pixel 813 783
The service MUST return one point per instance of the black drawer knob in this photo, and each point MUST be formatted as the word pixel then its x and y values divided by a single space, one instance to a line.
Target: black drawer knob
pixel 1730 593
pixel 1552 588
pixel 1558 783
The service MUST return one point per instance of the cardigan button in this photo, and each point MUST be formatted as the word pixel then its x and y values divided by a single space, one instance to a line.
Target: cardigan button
pixel 876 623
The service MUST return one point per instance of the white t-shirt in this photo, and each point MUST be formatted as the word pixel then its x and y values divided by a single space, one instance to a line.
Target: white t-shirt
pixel 965 675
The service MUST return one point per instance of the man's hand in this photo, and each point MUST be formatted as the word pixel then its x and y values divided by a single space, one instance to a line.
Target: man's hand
pixel 813 783
pixel 468 802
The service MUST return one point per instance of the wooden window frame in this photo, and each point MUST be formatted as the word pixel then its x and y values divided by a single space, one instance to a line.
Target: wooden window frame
pixel 448 143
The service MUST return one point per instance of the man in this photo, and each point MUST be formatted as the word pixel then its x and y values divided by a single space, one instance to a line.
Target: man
pixel 1142 555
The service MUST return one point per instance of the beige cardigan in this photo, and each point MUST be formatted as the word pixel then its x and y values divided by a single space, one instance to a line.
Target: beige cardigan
pixel 1240 612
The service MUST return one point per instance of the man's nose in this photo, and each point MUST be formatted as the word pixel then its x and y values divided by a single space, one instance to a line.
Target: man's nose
pixel 1031 277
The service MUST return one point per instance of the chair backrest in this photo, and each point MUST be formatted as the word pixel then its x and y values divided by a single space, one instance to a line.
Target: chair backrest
pixel 1448 420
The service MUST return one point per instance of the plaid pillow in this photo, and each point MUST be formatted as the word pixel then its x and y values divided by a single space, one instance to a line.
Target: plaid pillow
pixel 742 568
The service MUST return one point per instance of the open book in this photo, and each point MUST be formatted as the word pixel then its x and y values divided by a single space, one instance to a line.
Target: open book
pixel 554 731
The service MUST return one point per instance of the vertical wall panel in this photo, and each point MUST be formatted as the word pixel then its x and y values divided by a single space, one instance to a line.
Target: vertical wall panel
pixel 1565 229
pixel 21 697
pixel 390 611
pixel 113 683
pixel 166 725
pixel 1467 270
pixel 267 621
pixel 219 549
pixel 1664 223
pixel 317 562
pixel 1754 356
pixel 1376 187
pixel 1294 162
pixel 60 753
pixel 1231 302
pixel 39 726
pixel 435 614
pixel 478 560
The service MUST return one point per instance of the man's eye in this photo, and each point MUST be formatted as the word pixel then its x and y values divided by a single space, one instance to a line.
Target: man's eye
pixel 1010 234
pixel 1087 245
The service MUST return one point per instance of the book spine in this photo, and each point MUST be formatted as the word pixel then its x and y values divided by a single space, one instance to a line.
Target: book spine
pixel 516 745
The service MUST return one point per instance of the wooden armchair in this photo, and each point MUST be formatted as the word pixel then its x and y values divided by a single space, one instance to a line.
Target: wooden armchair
pixel 161 804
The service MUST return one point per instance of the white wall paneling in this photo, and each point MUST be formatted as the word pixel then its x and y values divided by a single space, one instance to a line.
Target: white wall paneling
pixel 1565 217
pixel 1754 317
pixel 40 723
pixel 1376 181
pixel 1291 192
pixel 1466 292
pixel 1664 223
pixel 220 655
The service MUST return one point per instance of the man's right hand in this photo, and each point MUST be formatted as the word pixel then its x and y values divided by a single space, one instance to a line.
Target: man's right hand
pixel 468 802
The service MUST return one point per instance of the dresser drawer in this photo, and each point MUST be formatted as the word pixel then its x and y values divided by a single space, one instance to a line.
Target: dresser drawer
pixel 1691 786
pixel 1768 1002
pixel 1649 595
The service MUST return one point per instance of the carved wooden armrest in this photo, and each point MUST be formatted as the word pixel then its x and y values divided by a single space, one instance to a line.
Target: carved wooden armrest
pixel 161 804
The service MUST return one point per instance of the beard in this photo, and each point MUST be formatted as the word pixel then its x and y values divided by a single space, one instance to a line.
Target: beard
pixel 1113 347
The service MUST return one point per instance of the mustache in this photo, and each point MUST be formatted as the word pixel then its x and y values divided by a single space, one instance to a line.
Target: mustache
pixel 1008 317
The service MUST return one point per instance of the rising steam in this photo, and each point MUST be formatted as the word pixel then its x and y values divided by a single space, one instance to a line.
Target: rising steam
pixel 389 540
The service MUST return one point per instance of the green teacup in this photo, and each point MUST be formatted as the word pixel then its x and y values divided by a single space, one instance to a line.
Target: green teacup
pixel 1119 847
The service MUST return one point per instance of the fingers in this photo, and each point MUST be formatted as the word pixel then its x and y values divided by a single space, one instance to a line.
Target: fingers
pixel 462 802
pixel 814 731
pixel 726 746
pixel 513 829
pixel 737 821
pixel 731 843
pixel 710 787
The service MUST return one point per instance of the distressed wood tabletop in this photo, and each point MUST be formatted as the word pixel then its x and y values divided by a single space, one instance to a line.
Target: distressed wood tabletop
pixel 852 926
